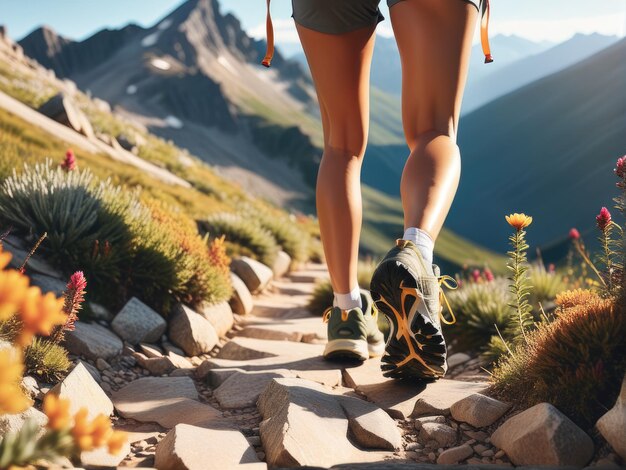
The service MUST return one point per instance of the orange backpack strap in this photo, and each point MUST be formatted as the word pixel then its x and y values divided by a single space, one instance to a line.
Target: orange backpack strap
pixel 484 31
pixel 269 28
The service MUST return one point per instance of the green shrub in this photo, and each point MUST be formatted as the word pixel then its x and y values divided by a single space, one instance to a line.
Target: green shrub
pixel 576 362
pixel 478 307
pixel 287 234
pixel 546 286
pixel 46 359
pixel 244 236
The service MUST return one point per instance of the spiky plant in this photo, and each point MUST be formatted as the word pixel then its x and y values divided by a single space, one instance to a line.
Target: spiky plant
pixel 243 236
pixel 576 362
pixel 546 286
pixel 46 359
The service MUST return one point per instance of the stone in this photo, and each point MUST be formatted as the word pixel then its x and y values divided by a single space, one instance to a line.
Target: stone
pixel 156 365
pixel 542 435
pixel 167 401
pixel 242 389
pixel 457 359
pixel 241 301
pixel 150 350
pixel 251 348
pixel 403 400
pixel 99 312
pixel 14 422
pixel 34 265
pixel 220 315
pixel 442 433
pixel 173 349
pixel 612 424
pixel 306 424
pixel 478 410
pixel 62 109
pixel 48 284
pixel 192 448
pixel 179 361
pixel 138 323
pixel 308 329
pixel 191 331
pixel 101 364
pixel 30 386
pixel 281 264
pixel 255 275
pixel 429 419
pixel 100 457
pixel 80 388
pixel 92 341
pixel 454 455
pixel 92 370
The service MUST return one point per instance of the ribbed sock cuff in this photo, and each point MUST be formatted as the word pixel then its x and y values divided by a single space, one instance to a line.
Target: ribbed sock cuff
pixel 348 301
pixel 423 242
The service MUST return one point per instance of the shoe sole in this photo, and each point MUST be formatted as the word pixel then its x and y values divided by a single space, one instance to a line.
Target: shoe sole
pixel 350 349
pixel 415 347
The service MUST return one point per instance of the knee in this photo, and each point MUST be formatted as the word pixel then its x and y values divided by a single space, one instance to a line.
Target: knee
pixel 420 141
pixel 347 141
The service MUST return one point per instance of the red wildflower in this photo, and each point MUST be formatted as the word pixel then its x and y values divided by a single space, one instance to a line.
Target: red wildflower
pixel 74 297
pixel 69 163
pixel 488 275
pixel 476 275
pixel 574 234
pixel 603 219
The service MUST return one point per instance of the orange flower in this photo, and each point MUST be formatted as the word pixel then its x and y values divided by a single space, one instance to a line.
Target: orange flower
pixel 12 399
pixel 40 314
pixel 101 430
pixel 13 287
pixel 58 412
pixel 117 441
pixel 83 430
pixel 519 221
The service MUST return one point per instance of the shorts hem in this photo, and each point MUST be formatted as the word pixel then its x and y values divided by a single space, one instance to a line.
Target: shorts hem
pixel 348 29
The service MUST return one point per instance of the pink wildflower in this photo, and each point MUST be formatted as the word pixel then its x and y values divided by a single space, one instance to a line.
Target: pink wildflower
pixel 603 219
pixel 476 275
pixel 488 274
pixel 620 167
pixel 74 297
pixel 574 234
pixel 69 163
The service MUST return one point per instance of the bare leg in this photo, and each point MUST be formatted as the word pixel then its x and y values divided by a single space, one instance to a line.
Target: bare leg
pixel 340 66
pixel 434 38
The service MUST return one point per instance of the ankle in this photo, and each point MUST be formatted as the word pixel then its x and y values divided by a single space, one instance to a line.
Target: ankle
pixel 348 300
pixel 423 241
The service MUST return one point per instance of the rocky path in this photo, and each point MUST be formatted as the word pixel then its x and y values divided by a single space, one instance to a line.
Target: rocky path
pixel 265 397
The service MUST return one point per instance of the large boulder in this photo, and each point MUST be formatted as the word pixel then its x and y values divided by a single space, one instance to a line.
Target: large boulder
pixel 61 108
pixel 93 341
pixel 220 315
pixel 192 448
pixel 241 301
pixel 478 410
pixel 542 435
pixel 138 323
pixel 253 273
pixel 191 331
pixel 307 424
pixel 80 388
pixel 612 425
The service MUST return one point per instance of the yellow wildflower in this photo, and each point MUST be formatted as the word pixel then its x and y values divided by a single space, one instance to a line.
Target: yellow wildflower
pixel 12 398
pixel 82 430
pixel 117 441
pixel 13 287
pixel 58 412
pixel 101 430
pixel 40 314
pixel 519 221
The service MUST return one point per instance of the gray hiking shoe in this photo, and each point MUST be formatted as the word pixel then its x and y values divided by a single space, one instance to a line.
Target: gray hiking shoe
pixel 354 333
pixel 406 290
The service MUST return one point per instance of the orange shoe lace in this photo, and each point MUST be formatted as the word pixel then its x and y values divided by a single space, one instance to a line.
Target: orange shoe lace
pixel 269 29
pixel 484 31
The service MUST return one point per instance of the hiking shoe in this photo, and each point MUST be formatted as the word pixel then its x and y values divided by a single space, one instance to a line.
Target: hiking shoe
pixel 354 333
pixel 406 290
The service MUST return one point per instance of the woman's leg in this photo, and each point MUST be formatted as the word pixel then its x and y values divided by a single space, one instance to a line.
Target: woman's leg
pixel 340 66
pixel 434 38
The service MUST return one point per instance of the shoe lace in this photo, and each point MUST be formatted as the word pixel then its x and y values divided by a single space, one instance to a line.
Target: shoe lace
pixel 450 283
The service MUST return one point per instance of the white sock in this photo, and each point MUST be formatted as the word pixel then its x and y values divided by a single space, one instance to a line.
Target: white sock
pixel 422 240
pixel 348 301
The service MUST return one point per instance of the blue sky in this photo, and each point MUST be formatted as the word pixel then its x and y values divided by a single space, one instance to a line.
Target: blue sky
pixel 553 20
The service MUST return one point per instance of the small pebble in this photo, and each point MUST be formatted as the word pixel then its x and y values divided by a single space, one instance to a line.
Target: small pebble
pixel 261 455
pixel 432 457
pixel 254 441
pixel 487 453
pixel 411 455
pixel 414 446
pixel 499 454
pixel 479 448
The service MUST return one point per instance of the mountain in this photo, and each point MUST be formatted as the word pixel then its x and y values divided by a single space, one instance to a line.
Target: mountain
pixel 483 87
pixel 195 78
pixel 547 149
